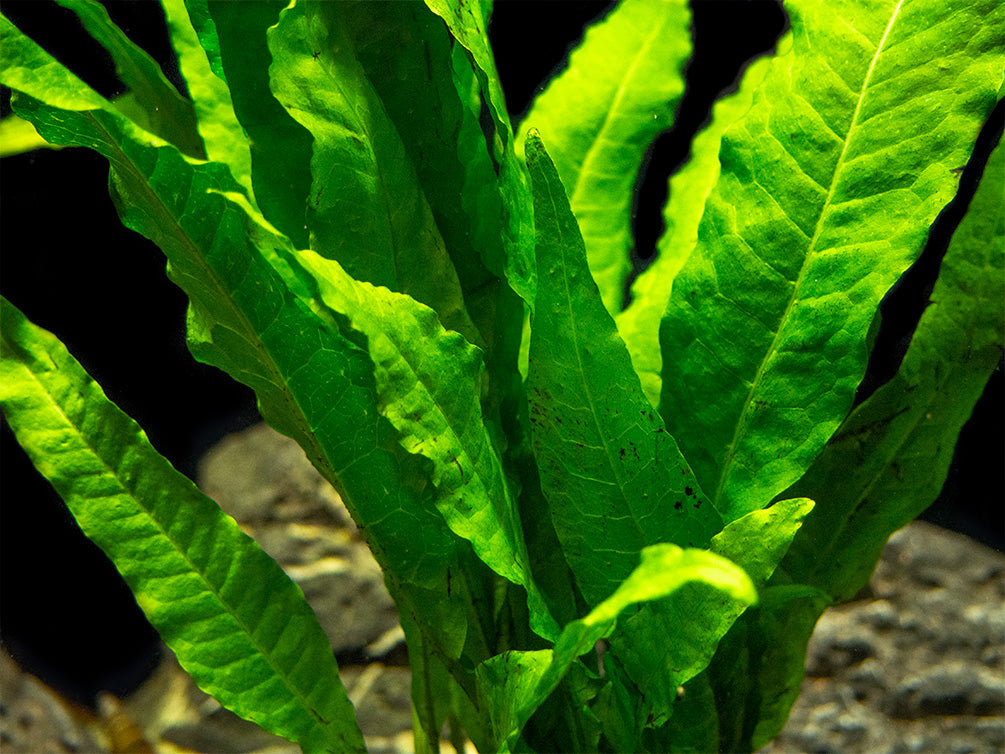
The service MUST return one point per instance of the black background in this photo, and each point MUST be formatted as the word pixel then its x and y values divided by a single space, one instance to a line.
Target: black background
pixel 67 262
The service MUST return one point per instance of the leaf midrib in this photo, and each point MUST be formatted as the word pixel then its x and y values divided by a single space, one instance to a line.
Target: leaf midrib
pixel 794 297
pixel 593 152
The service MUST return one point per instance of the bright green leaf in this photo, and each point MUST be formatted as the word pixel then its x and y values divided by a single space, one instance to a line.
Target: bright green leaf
pixel 233 36
pixel 18 136
pixel 883 467
pixel 888 461
pixel 516 683
pixel 246 319
pixel 428 383
pixel 687 192
pixel 614 478
pixel 366 208
pixel 218 126
pixel 152 101
pixel 599 116
pixel 695 616
pixel 829 185
pixel 468 27
pixel 235 621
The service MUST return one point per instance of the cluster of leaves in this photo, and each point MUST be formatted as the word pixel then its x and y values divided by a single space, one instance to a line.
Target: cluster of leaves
pixel 596 522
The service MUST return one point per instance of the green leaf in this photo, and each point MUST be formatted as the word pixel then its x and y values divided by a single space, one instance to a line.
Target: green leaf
pixel 888 461
pixel 829 185
pixel 235 621
pixel 250 317
pixel 599 116
pixel 432 95
pixel 234 38
pixel 695 616
pixel 515 684
pixel 884 466
pixel 218 126
pixel 26 67
pixel 687 191
pixel 614 478
pixel 467 26
pixel 18 136
pixel 152 101
pixel 428 383
pixel 366 208
pixel 755 675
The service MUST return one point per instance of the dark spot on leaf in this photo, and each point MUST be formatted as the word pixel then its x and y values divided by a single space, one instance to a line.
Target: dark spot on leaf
pixel 689 492
pixel 678 505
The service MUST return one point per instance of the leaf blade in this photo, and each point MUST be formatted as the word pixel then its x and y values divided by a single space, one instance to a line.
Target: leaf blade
pixel 152 101
pixel 235 621
pixel 791 258
pixel 614 478
pixel 662 571
pixel 687 191
pixel 599 116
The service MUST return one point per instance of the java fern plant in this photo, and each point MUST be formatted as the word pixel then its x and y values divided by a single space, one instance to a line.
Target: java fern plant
pixel 604 528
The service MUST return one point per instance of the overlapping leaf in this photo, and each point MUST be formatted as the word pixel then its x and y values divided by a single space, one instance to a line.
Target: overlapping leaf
pixel 515 684
pixel 599 116
pixel 431 93
pixel 233 36
pixel 614 478
pixel 234 620
pixel 152 101
pixel 829 184
pixel 428 383
pixel 468 26
pixel 696 618
pixel 883 467
pixel 366 208
pixel 216 121
pixel 250 316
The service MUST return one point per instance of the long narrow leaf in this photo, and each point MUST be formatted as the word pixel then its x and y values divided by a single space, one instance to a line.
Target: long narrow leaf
pixel 152 101
pixel 696 618
pixel 468 27
pixel 234 38
pixel 366 208
pixel 432 95
pixel 245 318
pixel 232 617
pixel 893 453
pixel 614 478
pixel 218 126
pixel 829 185
pixel 687 191
pixel 428 382
pixel 599 116
pixel 883 467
